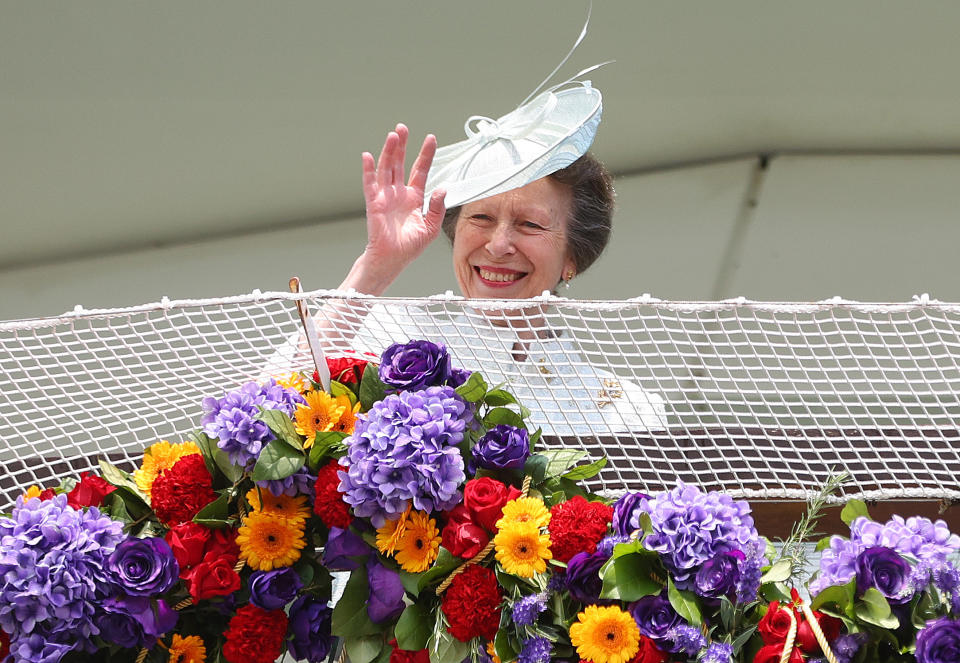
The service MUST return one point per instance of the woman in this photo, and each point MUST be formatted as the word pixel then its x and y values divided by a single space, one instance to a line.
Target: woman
pixel 530 212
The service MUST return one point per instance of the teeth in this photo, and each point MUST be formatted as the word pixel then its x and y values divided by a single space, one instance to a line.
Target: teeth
pixel 497 276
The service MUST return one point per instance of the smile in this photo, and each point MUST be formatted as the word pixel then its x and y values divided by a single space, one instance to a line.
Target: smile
pixel 499 277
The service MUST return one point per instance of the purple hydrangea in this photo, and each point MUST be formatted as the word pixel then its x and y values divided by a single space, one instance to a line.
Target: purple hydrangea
pixel 838 564
pixel 718 652
pixel 609 542
pixel 751 570
pixel 414 365
pixel 527 609
pixel 53 575
pixel 535 650
pixel 690 527
pixel 232 419
pixel 300 482
pixel 405 449
pixel 310 622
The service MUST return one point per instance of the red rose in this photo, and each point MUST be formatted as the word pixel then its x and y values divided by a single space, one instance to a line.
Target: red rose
pixel 775 624
pixel 188 541
pixel 578 526
pixel 214 577
pixel 255 635
pixel 484 499
pixel 89 492
pixel 649 652
pixel 346 370
pixel 180 492
pixel 807 641
pixel 771 654
pixel 223 543
pixel 407 655
pixel 328 500
pixel 461 536
pixel 472 604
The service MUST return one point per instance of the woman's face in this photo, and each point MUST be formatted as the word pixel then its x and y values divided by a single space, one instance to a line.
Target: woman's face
pixel 514 245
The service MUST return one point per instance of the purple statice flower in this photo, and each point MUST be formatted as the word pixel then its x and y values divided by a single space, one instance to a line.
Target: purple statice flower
pixel 583 577
pixel 626 513
pixel 535 650
pixel 751 570
pixel 415 365
pixel 655 617
pixel 232 419
pixel 405 450
pixel 273 590
pixel 53 575
pixel 690 527
pixel 557 583
pixel 685 638
pixel 527 609
pixel 946 578
pixel 503 447
pixel 846 646
pixel 310 622
pixel 300 482
pixel 939 641
pixel 144 567
pixel 718 652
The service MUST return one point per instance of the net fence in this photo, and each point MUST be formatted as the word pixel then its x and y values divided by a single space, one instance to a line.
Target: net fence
pixel 763 400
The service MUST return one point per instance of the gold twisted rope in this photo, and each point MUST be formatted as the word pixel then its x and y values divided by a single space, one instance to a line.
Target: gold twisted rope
pixel 480 556
pixel 142 656
pixel 791 638
pixel 818 633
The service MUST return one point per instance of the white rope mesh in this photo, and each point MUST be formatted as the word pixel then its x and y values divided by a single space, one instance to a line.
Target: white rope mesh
pixel 762 400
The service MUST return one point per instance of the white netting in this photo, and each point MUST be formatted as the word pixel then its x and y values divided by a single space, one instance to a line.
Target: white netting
pixel 762 400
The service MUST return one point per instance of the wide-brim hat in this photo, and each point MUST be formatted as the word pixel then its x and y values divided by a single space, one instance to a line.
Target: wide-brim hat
pixel 540 137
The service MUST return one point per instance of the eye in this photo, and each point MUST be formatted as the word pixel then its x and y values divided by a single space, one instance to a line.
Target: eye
pixel 480 216
pixel 532 225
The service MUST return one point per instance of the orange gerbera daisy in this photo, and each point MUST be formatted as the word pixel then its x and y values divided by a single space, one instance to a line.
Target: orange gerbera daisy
pixel 158 458
pixel 388 536
pixel 278 505
pixel 187 650
pixel 420 543
pixel 294 381
pixel 321 413
pixel 270 542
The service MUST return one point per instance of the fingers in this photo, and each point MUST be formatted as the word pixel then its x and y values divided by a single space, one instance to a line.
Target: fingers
pixel 402 133
pixel 369 168
pixel 421 167
pixel 435 211
pixel 388 159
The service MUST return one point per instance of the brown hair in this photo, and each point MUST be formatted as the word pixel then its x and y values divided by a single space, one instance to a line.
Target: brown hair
pixel 591 213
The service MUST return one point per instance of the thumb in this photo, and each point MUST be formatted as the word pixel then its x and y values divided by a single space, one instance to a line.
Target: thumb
pixel 435 211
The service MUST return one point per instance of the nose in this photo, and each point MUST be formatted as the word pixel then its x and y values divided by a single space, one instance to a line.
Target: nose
pixel 501 240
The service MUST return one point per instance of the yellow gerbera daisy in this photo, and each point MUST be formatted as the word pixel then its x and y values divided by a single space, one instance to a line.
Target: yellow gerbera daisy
pixel 525 510
pixel 31 492
pixel 294 381
pixel 348 420
pixel 158 458
pixel 187 650
pixel 521 549
pixel 279 505
pixel 420 543
pixel 270 542
pixel 605 634
pixel 388 536
pixel 320 414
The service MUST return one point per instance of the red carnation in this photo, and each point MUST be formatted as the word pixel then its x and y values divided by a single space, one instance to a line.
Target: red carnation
pixel 90 491
pixel 5 644
pixel 180 492
pixel 329 504
pixel 577 526
pixel 255 635
pixel 408 655
pixel 472 604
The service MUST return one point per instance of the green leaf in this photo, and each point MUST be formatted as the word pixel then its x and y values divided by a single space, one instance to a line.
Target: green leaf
pixel 536 467
pixel 474 389
pixel 631 577
pixel 371 388
pixel 853 510
pixel 130 502
pixel 442 566
pixel 502 416
pixel 741 639
pixel 444 648
pixel 117 477
pixel 839 595
pixel 363 649
pixel 277 461
pixel 874 609
pixel 216 458
pixel 216 513
pixel 497 397
pixel 504 647
pixel 779 572
pixel 283 427
pixel 535 438
pixel 586 471
pixel 350 618
pixel 726 612
pixel 823 544
pixel 340 389
pixel 326 446
pixel 685 603
pixel 413 627
pixel 561 460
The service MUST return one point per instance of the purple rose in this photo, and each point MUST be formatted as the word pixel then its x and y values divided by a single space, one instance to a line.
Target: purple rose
pixel 135 621
pixel 939 641
pixel 272 590
pixel 415 365
pixel 144 567
pixel 626 514
pixel 655 617
pixel 386 593
pixel 342 545
pixel 583 577
pixel 502 448
pixel 458 376
pixel 886 570
pixel 718 576
pixel 310 627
